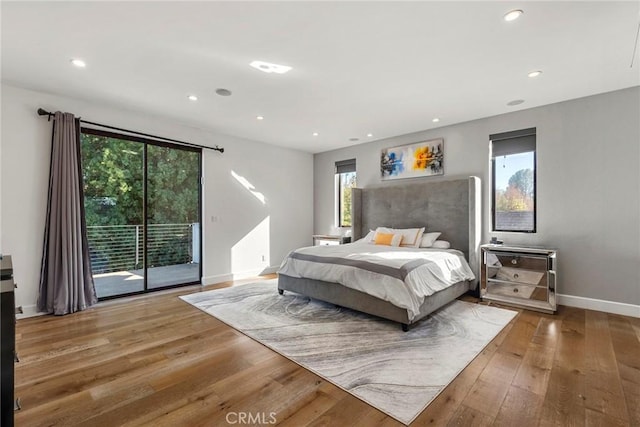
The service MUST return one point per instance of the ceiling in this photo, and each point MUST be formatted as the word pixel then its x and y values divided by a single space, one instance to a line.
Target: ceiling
pixel 384 68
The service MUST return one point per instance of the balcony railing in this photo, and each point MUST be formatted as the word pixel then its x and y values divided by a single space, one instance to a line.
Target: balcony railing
pixel 120 247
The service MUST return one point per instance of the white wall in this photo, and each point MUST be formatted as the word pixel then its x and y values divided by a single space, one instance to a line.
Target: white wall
pixel 588 186
pixel 244 230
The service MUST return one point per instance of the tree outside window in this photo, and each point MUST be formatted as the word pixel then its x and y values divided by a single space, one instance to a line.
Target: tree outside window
pixel 513 164
pixel 346 182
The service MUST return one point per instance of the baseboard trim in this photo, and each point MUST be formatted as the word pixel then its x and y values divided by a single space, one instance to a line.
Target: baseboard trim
pixel 568 300
pixel 29 311
pixel 212 280
pixel 599 305
pixel 219 278
pixel 270 270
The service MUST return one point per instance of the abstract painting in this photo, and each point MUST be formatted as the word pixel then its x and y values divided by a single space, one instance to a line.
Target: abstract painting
pixel 413 160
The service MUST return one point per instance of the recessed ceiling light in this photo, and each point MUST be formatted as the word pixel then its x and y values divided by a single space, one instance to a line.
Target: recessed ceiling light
pixel 79 63
pixel 223 92
pixel 535 73
pixel 259 118
pixel 369 135
pixel 268 67
pixel 515 102
pixel 192 98
pixel 315 134
pixel 513 15
pixel 435 120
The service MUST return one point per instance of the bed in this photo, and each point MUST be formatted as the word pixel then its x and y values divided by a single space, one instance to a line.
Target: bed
pixel 451 207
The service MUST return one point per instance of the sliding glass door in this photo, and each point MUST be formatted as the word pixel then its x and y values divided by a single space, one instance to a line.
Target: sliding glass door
pixel 142 208
pixel 173 216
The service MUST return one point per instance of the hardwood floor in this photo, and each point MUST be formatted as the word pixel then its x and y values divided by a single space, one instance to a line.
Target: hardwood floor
pixel 156 360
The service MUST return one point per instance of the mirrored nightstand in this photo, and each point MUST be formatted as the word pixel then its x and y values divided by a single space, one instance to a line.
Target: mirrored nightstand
pixel 519 276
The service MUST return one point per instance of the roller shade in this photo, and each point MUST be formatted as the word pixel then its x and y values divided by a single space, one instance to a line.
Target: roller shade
pixel 515 142
pixel 344 166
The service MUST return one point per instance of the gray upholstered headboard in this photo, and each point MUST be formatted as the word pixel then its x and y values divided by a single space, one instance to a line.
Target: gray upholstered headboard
pixel 451 207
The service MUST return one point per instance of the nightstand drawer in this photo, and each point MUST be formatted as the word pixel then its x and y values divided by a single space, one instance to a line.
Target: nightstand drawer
pixel 514 260
pixel 517 291
pixel 517 276
pixel 326 242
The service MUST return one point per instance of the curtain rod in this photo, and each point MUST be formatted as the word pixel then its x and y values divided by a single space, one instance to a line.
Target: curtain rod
pixel 43 112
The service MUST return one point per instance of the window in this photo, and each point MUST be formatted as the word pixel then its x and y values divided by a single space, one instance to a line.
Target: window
pixel 345 181
pixel 513 184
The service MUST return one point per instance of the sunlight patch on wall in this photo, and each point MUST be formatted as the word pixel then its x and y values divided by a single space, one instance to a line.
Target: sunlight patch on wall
pixel 251 253
pixel 246 184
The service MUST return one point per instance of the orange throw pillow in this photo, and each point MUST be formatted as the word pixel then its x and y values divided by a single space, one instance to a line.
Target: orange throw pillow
pixel 388 239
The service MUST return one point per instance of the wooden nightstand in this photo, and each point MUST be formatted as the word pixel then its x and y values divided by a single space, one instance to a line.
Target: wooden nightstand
pixel 519 276
pixel 325 239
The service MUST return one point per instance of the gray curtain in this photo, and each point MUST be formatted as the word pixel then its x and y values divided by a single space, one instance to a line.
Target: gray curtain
pixel 66 282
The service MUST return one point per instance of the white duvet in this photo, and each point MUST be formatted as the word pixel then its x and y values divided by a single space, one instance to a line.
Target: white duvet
pixel 401 276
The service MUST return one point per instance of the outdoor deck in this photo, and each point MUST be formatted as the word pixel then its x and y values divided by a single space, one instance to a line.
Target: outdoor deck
pixel 124 282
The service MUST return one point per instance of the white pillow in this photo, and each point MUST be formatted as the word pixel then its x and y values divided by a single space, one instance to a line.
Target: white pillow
pixel 369 237
pixel 441 244
pixel 429 238
pixel 383 230
pixel 410 236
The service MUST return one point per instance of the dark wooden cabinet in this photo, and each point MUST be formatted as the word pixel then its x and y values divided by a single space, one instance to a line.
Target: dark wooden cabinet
pixel 8 355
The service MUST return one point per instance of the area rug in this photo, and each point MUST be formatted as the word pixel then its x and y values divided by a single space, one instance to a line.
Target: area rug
pixel 397 372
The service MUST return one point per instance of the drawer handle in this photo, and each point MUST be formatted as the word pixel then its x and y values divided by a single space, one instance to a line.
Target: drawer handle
pixel 515 276
pixel 515 290
pixel 514 261
pixel 16 405
pixel 16 359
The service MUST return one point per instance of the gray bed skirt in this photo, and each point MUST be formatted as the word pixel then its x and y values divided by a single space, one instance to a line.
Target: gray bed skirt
pixel 346 297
